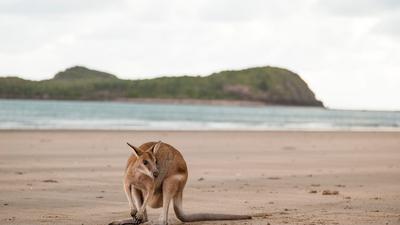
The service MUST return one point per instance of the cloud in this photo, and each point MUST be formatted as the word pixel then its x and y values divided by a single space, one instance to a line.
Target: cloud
pixel 358 8
pixel 389 26
pixel 39 8
pixel 342 50
pixel 384 15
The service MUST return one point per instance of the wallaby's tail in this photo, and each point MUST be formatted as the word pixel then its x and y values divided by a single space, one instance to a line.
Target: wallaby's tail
pixel 201 216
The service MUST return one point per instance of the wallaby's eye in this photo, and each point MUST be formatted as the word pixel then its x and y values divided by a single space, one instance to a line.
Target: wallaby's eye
pixel 145 162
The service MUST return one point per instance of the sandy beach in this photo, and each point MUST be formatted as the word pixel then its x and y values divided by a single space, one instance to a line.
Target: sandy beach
pixel 75 177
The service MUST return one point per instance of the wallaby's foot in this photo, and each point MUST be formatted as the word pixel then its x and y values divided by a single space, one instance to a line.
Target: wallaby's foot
pixel 133 213
pixel 138 219
pixel 122 222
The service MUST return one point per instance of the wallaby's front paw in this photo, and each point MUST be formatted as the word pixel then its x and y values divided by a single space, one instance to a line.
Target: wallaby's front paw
pixel 138 219
pixel 133 213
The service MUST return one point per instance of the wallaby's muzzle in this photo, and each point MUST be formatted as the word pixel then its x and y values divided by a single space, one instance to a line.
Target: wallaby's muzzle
pixel 156 173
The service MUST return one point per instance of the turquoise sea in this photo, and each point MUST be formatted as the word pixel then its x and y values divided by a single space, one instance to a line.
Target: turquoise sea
pixel 43 114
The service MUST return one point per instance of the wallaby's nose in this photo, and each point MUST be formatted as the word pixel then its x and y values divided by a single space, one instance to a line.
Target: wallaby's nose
pixel 155 173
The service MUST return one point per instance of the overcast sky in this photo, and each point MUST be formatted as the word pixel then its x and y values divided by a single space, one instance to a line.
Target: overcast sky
pixel 347 51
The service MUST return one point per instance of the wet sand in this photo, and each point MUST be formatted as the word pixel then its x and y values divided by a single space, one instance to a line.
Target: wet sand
pixel 75 177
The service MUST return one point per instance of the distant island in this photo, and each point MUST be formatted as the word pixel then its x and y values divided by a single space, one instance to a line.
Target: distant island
pixel 258 85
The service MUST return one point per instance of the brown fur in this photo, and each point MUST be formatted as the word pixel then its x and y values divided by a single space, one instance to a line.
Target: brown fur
pixel 146 189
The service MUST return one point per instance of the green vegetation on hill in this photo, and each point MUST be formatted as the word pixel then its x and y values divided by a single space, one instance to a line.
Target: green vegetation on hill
pixel 79 72
pixel 270 85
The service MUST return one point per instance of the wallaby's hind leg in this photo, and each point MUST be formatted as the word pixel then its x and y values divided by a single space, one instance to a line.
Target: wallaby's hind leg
pixel 171 187
pixel 178 206
pixel 122 222
pixel 163 220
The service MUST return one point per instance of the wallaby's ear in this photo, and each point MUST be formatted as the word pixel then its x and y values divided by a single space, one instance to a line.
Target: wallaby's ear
pixel 156 147
pixel 136 150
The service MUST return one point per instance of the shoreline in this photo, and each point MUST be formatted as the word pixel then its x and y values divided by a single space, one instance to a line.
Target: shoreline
pixel 199 131
pixel 171 101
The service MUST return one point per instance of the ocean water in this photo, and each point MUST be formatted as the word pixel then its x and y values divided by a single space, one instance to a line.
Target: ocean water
pixel 33 114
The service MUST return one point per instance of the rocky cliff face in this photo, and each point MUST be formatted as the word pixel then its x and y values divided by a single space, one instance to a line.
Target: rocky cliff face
pixel 267 84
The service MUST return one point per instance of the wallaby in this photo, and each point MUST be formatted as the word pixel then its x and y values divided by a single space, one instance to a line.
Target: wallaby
pixel 155 174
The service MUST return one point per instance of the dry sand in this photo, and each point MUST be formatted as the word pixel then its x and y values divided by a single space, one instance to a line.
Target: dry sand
pixel 75 177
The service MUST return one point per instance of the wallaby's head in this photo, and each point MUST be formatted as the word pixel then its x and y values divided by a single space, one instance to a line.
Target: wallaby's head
pixel 146 159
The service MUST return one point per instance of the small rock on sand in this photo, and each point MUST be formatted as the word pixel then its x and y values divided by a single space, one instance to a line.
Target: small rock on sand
pixel 201 179
pixel 49 181
pixel 329 192
pixel 313 191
